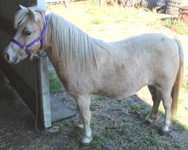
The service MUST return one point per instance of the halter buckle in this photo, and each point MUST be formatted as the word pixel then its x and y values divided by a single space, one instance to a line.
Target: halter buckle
pixel 38 54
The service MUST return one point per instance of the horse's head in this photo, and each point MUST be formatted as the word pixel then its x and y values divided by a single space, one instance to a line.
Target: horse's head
pixel 29 23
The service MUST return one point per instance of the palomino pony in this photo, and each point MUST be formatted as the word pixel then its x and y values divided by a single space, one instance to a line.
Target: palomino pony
pixel 88 66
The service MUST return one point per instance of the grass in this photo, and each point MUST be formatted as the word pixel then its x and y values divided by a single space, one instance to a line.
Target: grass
pixel 150 141
pixel 110 135
pixel 55 85
pixel 98 21
pixel 173 23
pixel 100 98
pixel 176 25
pixel 120 21
pixel 180 128
pixel 93 10
pixel 134 108
pixel 185 85
pixel 114 12
pixel 92 107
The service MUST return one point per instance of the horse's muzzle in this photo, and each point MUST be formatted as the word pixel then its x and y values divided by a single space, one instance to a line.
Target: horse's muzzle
pixel 11 59
pixel 7 57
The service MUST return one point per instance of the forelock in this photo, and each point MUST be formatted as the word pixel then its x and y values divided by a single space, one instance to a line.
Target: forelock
pixel 23 15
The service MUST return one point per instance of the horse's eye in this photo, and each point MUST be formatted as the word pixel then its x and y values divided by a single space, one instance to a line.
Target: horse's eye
pixel 27 32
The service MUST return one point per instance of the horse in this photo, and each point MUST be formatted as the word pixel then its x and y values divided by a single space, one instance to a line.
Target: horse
pixel 87 66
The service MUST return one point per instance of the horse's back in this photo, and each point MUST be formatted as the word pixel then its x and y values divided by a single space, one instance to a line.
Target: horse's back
pixel 148 48
pixel 149 41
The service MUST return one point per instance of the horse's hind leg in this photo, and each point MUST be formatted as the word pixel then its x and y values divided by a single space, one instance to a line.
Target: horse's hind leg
pixel 83 103
pixel 156 101
pixel 157 95
pixel 167 102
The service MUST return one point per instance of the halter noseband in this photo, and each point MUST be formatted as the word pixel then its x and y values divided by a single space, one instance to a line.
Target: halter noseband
pixel 41 39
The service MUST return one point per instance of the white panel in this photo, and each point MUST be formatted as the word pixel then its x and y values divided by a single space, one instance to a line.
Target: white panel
pixel 45 97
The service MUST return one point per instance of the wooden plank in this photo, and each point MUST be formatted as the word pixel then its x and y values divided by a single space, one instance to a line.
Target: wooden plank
pixel 17 82
pixel 7 26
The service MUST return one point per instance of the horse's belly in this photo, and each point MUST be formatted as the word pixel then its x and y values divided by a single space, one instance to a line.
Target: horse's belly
pixel 116 92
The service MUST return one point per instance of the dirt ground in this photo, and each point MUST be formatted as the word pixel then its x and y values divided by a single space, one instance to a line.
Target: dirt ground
pixel 115 124
pixel 17 126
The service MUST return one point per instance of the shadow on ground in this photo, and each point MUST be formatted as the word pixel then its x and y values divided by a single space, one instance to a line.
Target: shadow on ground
pixel 115 124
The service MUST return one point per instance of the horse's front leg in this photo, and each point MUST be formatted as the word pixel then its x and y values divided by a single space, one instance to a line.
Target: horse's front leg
pixel 83 103
pixel 80 123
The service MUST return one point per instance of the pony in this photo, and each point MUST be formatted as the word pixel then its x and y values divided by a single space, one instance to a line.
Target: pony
pixel 87 66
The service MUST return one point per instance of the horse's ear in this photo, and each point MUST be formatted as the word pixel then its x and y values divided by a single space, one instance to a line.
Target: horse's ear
pixel 22 7
pixel 33 14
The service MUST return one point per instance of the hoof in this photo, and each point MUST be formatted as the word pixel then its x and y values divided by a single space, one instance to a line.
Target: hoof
pixel 163 133
pixel 83 145
pixel 86 140
pixel 147 122
pixel 80 126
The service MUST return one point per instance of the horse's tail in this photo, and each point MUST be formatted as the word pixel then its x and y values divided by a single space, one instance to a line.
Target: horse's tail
pixel 178 81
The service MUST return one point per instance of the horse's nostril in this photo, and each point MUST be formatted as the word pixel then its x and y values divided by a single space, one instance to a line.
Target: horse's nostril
pixel 7 57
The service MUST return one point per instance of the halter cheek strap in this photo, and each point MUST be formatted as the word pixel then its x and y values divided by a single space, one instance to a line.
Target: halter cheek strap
pixel 41 39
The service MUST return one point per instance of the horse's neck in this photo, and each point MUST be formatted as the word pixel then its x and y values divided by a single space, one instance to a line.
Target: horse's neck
pixel 53 56
pixel 74 49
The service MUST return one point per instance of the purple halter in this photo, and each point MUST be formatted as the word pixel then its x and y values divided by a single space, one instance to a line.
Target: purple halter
pixel 41 39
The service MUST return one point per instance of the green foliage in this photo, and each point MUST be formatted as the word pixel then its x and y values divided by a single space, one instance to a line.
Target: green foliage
pixel 151 142
pixel 185 85
pixel 175 24
pixel 181 128
pixel 94 3
pixel 92 107
pixel 112 135
pixel 102 29
pixel 100 98
pixel 137 108
pixel 134 108
pixel 93 11
pixel 169 22
pixel 120 21
pixel 172 23
pixel 98 21
pixel 10 93
pixel 178 146
pixel 153 22
pixel 104 11
pixel 94 145
pixel 54 83
pixel 104 117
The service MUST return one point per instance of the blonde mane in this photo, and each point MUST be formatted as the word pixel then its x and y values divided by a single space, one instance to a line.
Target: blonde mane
pixel 77 47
